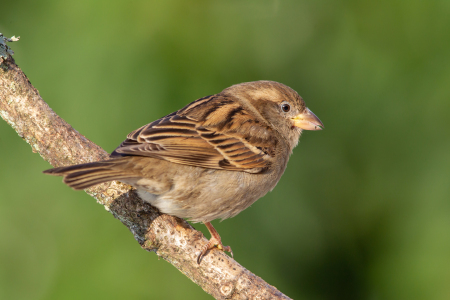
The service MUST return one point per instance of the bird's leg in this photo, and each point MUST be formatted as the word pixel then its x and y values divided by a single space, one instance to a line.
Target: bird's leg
pixel 213 242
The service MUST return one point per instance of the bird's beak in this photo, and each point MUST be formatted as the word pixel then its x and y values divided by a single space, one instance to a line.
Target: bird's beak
pixel 307 120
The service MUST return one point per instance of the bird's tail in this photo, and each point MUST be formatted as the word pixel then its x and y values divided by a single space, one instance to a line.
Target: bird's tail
pixel 83 176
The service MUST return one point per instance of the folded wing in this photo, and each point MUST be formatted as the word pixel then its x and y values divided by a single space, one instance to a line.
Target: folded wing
pixel 212 132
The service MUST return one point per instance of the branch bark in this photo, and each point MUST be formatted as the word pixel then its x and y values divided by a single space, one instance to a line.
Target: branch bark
pixel 171 238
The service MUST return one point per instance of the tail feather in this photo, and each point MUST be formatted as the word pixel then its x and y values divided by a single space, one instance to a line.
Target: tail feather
pixel 83 176
pixel 79 181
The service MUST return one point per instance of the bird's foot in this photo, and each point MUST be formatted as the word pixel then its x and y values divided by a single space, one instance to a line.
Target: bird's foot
pixel 215 241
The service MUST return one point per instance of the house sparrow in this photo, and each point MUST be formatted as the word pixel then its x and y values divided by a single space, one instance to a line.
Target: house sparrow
pixel 211 159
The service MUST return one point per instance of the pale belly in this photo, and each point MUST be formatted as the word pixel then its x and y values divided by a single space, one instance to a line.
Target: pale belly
pixel 203 195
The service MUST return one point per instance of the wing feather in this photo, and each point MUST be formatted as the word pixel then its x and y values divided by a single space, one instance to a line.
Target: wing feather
pixel 213 132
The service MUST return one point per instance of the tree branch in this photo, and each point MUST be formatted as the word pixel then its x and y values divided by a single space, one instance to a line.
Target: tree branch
pixel 171 238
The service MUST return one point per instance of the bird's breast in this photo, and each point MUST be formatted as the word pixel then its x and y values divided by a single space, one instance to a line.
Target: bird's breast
pixel 203 195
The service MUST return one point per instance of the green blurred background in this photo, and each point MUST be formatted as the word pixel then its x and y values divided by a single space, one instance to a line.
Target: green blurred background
pixel 363 210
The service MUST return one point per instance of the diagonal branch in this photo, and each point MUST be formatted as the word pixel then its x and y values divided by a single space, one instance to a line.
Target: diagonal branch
pixel 171 238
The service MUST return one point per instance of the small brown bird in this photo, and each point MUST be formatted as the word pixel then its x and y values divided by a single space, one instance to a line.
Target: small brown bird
pixel 211 159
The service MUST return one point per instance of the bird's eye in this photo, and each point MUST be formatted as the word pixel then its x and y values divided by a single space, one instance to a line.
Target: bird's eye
pixel 285 107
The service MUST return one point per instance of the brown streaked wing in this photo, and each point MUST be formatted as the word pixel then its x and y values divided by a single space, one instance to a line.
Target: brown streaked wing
pixel 212 132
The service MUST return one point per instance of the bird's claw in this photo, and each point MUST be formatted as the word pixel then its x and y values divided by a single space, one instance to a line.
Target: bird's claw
pixel 228 249
pixel 213 242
